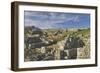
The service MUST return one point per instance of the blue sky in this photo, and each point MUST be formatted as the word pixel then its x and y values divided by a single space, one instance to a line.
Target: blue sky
pixel 48 20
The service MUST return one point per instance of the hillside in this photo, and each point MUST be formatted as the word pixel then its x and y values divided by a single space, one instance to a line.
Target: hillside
pixel 53 44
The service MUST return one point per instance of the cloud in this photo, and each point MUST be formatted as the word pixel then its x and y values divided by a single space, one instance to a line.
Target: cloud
pixel 48 19
pixel 41 24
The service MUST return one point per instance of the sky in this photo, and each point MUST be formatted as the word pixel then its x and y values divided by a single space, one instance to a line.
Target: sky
pixel 49 20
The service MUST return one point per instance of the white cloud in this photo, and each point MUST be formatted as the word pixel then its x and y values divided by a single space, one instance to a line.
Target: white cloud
pixel 48 20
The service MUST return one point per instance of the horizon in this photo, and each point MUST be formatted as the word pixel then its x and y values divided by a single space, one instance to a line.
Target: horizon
pixel 61 28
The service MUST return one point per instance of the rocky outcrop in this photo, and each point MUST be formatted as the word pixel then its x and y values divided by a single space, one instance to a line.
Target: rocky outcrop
pixel 43 45
pixel 74 42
